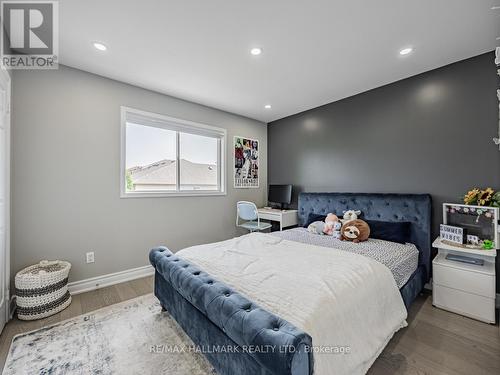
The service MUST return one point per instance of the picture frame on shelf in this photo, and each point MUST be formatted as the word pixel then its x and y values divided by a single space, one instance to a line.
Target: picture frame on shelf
pixel 473 240
pixel 480 223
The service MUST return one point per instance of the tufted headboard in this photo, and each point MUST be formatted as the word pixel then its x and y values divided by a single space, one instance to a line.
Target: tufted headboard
pixel 414 208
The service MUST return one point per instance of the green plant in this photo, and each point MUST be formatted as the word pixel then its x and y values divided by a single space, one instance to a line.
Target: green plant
pixel 495 199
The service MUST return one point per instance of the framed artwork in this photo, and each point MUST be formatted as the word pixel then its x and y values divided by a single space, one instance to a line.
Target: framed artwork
pixel 246 162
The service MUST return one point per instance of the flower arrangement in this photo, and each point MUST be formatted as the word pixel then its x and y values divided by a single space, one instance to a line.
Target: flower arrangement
pixel 482 197
pixel 471 196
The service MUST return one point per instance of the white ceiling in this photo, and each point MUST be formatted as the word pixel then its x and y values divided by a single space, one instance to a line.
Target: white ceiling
pixel 314 52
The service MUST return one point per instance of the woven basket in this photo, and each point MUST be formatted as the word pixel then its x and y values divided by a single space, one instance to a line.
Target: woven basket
pixel 42 289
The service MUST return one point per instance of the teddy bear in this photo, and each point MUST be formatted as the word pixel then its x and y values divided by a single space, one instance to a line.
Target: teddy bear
pixel 355 231
pixel 332 225
pixel 350 215
pixel 336 233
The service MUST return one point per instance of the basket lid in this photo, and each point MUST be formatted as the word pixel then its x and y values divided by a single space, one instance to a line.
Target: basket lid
pixel 44 267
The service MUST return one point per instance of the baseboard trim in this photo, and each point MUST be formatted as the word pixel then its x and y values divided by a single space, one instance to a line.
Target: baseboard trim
pixel 12 307
pixel 98 282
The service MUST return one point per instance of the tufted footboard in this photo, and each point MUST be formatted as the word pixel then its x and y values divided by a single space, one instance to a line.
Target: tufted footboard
pixel 238 336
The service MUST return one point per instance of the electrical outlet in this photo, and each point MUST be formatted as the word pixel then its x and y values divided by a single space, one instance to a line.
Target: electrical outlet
pixel 90 257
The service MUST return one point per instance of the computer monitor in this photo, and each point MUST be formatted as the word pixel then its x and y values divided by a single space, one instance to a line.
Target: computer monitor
pixel 280 194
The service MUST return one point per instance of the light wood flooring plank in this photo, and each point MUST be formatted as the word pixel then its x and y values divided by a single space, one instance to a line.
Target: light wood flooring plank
pixel 141 286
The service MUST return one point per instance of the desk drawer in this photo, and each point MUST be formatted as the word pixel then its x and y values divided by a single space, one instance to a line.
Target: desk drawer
pixel 467 281
pixel 270 216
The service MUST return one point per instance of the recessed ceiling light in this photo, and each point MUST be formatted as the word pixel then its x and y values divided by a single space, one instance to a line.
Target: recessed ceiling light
pixel 406 51
pixel 256 51
pixel 100 46
pixel 267 106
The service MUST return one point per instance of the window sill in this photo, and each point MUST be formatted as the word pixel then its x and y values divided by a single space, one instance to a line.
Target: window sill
pixel 172 195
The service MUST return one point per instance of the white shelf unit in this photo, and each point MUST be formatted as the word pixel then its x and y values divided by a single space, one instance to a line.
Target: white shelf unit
pixel 462 288
pixel 438 244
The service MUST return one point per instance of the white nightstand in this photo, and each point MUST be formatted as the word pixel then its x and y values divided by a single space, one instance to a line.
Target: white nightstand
pixel 462 288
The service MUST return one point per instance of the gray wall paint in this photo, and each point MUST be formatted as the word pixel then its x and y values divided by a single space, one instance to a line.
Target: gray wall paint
pixel 430 133
pixel 65 176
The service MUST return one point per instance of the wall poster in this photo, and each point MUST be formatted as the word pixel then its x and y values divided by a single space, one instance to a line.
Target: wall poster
pixel 246 162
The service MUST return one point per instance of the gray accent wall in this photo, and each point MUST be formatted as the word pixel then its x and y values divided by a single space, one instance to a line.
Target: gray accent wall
pixel 431 133
pixel 66 173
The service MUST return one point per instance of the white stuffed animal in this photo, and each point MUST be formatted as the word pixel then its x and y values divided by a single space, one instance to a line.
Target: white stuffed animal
pixel 316 227
pixel 350 215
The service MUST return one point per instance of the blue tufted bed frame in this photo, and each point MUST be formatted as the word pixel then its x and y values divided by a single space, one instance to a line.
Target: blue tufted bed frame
pixel 215 316
pixel 413 208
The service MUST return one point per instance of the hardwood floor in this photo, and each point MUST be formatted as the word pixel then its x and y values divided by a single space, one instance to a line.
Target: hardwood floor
pixel 440 342
pixel 435 341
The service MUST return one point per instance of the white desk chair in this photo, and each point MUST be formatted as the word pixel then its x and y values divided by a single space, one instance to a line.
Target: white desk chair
pixel 248 211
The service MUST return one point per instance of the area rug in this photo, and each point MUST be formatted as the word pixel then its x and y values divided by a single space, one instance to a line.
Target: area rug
pixel 133 337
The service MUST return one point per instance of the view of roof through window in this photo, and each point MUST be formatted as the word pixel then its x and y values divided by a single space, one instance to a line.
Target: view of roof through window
pixel 151 160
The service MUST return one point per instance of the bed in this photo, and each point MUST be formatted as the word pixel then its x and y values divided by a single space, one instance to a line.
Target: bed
pixel 239 299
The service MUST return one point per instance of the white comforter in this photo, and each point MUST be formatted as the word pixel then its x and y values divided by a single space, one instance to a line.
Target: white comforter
pixel 341 299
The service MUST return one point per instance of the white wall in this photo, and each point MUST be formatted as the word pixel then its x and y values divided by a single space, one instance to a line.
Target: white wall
pixel 65 176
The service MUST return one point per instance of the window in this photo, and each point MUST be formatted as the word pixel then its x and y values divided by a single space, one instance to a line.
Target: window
pixel 164 156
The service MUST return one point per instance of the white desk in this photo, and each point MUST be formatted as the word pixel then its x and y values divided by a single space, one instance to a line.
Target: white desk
pixel 286 218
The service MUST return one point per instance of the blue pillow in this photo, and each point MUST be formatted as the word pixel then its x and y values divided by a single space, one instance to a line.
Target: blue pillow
pixel 390 231
pixel 314 217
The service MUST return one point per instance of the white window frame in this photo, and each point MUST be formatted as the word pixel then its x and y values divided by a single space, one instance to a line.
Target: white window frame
pixel 178 125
